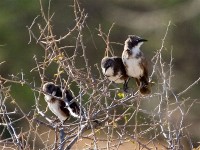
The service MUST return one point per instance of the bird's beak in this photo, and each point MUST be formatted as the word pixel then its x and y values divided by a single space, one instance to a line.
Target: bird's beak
pixel 143 40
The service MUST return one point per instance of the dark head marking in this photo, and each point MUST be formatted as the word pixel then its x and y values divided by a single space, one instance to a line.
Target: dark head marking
pixel 49 87
pixel 133 41
pixel 106 63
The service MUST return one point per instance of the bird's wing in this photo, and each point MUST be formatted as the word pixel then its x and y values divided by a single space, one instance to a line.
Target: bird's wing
pixel 64 109
pixel 144 65
pixel 73 108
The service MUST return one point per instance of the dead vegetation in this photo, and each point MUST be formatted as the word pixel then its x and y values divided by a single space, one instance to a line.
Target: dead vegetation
pixel 124 119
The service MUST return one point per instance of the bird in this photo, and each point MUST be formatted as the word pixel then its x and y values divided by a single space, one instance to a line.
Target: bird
pixel 135 63
pixel 113 68
pixel 54 98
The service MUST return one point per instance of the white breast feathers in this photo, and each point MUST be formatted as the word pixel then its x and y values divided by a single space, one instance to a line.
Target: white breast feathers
pixel 55 108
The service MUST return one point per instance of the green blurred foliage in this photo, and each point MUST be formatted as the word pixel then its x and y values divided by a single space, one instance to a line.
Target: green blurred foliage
pixel 15 16
pixel 183 37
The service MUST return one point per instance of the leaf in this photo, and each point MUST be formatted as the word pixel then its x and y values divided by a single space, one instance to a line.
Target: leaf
pixel 59 57
pixel 59 73
pixel 126 119
pixel 120 95
pixel 13 101
pixel 115 125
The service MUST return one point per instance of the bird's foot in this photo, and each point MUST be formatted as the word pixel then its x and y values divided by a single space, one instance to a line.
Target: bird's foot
pixel 125 86
pixel 126 90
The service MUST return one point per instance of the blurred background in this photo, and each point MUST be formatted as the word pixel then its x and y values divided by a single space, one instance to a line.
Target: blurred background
pixel 148 19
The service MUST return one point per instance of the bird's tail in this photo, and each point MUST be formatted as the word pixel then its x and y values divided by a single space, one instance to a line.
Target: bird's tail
pixel 144 86
pixel 75 110
pixel 145 89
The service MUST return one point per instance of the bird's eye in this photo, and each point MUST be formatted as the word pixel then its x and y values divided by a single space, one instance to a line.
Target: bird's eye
pixel 109 64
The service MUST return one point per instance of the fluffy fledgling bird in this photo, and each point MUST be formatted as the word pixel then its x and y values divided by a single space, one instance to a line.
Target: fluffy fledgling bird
pixel 58 106
pixel 135 62
pixel 113 68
